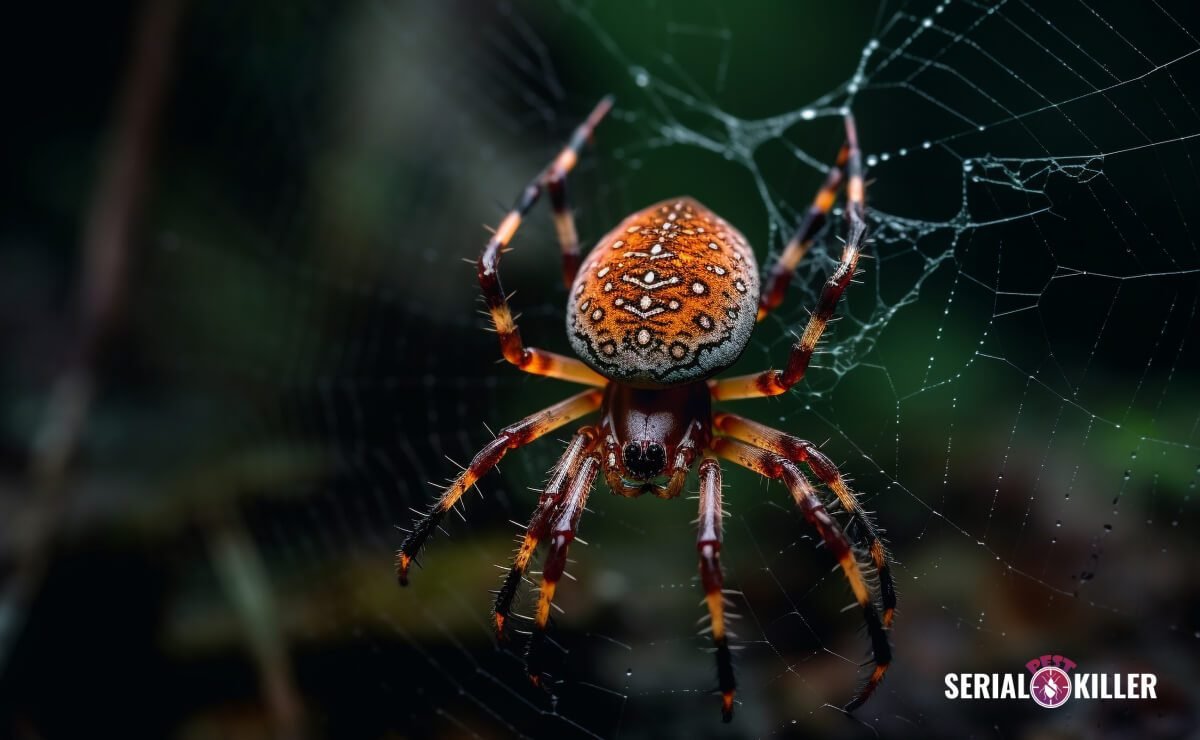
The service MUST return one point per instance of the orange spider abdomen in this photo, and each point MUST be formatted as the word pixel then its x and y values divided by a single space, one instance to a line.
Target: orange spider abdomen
pixel 669 296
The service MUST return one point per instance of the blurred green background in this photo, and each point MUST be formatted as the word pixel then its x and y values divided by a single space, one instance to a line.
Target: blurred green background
pixel 241 342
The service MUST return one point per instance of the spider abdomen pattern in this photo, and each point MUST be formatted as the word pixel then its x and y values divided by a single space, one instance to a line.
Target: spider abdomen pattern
pixel 667 297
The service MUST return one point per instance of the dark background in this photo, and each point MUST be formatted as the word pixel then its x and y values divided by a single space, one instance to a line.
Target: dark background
pixel 240 341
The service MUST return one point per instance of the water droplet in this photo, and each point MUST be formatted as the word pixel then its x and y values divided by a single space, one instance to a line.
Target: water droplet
pixel 926 144
pixel 1107 527
pixel 1128 473
pixel 872 160
pixel 1058 522
pixel 927 23
pixel 808 114
pixel 641 77
pixel 628 672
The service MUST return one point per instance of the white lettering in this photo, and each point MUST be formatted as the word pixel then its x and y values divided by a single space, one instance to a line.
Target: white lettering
pixel 1083 687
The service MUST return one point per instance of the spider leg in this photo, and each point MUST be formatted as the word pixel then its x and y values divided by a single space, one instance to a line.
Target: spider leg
pixel 708 545
pixel 532 359
pixel 509 438
pixel 561 477
pixel 814 219
pixel 563 524
pixel 803 451
pixel 774 382
pixel 777 467
pixel 555 178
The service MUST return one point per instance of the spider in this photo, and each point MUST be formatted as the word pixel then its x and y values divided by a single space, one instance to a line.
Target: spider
pixel 664 302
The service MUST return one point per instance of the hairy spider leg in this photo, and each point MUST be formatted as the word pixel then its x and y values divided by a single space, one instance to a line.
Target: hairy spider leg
pixel 803 451
pixel 531 359
pixel 555 178
pixel 510 437
pixel 774 382
pixel 561 476
pixel 708 546
pixel 562 534
pixel 814 220
pixel 777 467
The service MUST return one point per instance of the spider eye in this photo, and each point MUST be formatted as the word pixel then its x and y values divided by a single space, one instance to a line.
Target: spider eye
pixel 644 459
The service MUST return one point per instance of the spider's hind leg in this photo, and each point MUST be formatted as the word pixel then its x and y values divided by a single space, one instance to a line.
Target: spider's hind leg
pixel 806 231
pixel 775 382
pixel 553 178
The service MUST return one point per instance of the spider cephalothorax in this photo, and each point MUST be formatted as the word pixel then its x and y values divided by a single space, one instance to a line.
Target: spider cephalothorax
pixel 665 301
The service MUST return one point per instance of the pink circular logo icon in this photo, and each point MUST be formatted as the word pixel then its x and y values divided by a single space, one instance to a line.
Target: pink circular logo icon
pixel 1050 687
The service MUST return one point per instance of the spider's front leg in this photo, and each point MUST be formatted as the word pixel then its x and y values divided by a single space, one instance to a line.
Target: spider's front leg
pixel 561 478
pixel 564 524
pixel 803 451
pixel 774 382
pixel 511 437
pixel 708 545
pixel 777 467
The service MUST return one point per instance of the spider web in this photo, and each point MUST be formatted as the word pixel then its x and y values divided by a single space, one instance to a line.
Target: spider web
pixel 1011 385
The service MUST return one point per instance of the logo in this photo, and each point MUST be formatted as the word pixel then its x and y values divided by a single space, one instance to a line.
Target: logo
pixel 1052 680
pixel 1051 687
